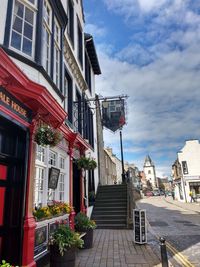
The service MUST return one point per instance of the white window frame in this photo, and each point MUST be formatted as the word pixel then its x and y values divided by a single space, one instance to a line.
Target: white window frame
pixel 47 31
pixel 61 187
pixel 57 50
pixel 33 8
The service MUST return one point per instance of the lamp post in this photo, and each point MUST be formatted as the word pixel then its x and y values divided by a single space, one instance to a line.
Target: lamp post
pixel 122 158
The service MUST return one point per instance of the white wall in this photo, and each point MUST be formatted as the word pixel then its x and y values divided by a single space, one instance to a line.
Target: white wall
pixel 3 19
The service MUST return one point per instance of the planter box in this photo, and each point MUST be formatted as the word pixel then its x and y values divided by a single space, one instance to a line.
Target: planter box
pixel 42 232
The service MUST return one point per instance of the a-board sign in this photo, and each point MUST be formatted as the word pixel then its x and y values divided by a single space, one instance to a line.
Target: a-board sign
pixel 140 230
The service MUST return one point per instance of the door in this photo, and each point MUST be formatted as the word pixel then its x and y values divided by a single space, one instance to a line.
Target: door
pixel 13 162
pixel 76 188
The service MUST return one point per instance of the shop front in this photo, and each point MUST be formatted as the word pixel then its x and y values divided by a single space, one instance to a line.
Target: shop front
pixel 23 105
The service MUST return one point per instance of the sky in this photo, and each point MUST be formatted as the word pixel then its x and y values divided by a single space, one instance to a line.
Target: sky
pixel 150 51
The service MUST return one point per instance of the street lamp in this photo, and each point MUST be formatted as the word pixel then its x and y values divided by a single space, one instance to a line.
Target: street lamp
pixel 122 159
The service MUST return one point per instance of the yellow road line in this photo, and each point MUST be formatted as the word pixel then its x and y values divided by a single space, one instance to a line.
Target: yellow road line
pixel 178 255
pixel 181 258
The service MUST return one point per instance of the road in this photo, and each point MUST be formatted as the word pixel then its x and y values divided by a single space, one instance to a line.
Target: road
pixel 179 226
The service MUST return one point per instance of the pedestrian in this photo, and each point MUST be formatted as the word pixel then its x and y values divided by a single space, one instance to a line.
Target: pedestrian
pixel 191 196
pixel 173 195
pixel 165 193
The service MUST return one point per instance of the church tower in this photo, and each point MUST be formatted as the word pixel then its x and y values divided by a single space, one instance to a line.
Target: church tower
pixel 149 170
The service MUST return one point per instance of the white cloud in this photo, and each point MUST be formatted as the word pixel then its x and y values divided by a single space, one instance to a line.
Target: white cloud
pixel 95 30
pixel 160 71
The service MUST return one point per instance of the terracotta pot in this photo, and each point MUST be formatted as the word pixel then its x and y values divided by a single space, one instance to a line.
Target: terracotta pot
pixel 68 259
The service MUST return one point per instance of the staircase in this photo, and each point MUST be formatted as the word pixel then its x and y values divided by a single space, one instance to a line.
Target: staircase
pixel 110 209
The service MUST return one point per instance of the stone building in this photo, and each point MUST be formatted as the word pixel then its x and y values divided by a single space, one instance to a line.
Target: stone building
pixel 149 171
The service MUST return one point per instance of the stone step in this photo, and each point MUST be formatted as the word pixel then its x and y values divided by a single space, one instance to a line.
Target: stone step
pixel 112 226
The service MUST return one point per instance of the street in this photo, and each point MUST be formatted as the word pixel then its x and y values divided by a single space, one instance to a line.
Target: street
pixel 179 226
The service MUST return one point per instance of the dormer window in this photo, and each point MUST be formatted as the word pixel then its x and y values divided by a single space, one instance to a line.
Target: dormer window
pixel 22 29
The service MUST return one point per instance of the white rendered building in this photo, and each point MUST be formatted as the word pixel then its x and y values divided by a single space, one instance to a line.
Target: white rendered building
pixel 149 170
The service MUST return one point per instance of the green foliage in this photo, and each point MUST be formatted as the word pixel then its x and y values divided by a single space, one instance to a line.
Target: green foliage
pixel 64 238
pixel 6 264
pixel 46 135
pixel 86 163
pixel 83 223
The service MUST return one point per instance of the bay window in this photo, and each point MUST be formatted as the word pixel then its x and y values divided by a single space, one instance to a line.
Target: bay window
pixel 47 158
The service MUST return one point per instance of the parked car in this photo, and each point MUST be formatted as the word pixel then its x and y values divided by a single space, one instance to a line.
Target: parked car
pixel 169 193
pixel 149 193
pixel 156 193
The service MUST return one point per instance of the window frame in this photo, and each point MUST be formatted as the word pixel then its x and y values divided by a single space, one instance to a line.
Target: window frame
pixel 184 167
pixel 33 8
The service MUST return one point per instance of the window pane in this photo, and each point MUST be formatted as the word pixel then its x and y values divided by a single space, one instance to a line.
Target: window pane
pixel 27 46
pixel 19 9
pixel 16 40
pixel 28 31
pixel 29 16
pixel 32 1
pixel 17 24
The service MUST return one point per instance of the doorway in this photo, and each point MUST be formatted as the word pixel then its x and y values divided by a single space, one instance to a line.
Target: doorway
pixel 76 188
pixel 13 163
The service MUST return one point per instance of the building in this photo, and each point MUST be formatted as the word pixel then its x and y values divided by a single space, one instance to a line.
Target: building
pixel 149 171
pixel 188 170
pixel 47 76
pixel 110 169
pixel 118 164
pixel 177 181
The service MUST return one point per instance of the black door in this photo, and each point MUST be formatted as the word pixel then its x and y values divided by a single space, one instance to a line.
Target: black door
pixel 76 188
pixel 13 162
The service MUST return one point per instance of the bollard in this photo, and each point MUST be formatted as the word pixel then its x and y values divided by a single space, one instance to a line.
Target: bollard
pixel 163 251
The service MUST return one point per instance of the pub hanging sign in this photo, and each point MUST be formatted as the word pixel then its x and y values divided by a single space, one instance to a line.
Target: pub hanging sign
pixel 11 103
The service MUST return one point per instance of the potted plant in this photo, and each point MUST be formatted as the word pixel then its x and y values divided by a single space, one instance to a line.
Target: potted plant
pixel 83 224
pixel 46 135
pixel 62 245
pixel 86 163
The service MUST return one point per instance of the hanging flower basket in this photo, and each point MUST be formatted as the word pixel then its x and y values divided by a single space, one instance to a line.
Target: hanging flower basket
pixel 86 163
pixel 46 135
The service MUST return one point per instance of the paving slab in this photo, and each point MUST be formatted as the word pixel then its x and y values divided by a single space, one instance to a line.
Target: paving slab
pixel 116 248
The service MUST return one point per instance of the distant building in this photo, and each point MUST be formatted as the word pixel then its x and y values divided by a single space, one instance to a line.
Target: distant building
pixel 118 164
pixel 149 170
pixel 143 180
pixel 110 169
pixel 177 180
pixel 164 184
pixel 132 175
pixel 188 170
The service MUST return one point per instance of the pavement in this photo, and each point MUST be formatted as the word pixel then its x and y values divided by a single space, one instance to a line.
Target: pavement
pixel 193 206
pixel 116 248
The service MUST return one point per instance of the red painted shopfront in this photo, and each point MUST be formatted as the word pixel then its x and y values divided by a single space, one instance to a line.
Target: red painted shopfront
pixel 22 104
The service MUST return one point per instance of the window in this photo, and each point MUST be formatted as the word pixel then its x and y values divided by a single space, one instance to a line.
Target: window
pixel 56 53
pixel 62 163
pixel 40 153
pixel 70 25
pixel 80 45
pixel 47 34
pixel 149 172
pixel 52 158
pixel 39 182
pixel 61 187
pixel 22 29
pixel 87 72
pixel 184 166
pixel 68 91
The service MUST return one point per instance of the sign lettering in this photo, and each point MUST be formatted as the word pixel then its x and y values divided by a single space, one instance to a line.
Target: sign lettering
pixel 7 100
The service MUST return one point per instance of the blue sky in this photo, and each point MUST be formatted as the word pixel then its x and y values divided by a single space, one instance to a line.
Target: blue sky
pixel 149 50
